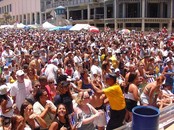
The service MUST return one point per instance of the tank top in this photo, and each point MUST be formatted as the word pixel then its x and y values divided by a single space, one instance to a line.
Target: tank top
pixel 60 124
pixel 87 86
pixel 129 96
pixel 89 126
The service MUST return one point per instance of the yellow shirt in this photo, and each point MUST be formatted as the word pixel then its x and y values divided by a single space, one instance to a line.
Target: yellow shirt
pixel 115 96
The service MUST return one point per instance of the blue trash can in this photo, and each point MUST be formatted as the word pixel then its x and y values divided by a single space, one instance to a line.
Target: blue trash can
pixel 145 118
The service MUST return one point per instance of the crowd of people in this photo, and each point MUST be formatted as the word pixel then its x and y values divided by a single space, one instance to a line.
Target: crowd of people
pixel 63 80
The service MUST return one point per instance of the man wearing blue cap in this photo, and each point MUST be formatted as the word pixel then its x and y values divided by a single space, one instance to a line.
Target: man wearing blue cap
pixel 116 101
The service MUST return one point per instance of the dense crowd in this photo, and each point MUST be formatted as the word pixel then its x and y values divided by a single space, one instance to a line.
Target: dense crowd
pixel 63 80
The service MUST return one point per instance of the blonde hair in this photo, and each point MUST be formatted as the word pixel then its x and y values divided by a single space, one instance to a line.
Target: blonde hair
pixel 79 98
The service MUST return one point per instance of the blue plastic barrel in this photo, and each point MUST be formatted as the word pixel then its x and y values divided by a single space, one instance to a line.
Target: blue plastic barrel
pixel 145 118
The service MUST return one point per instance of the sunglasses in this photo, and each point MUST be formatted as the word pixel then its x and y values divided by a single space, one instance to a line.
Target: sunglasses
pixel 37 86
pixel 50 82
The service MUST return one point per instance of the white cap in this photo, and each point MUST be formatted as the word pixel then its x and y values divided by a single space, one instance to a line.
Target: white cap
pixel 20 72
pixel 4 89
pixel 5 67
pixel 117 70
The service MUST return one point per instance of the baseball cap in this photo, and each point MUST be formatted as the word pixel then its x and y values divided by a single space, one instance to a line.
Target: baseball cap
pixel 4 89
pixel 5 67
pixel 111 75
pixel 117 70
pixel 20 73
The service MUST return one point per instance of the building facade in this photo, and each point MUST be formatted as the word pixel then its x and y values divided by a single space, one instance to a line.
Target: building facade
pixel 133 14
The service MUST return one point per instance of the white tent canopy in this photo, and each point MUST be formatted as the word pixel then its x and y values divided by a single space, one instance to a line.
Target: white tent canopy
pixel 6 26
pixel 20 25
pixel 48 25
pixel 79 27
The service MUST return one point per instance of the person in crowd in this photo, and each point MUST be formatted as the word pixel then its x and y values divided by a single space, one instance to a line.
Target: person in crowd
pixel 69 70
pixel 95 69
pixel 116 101
pixel 31 73
pixel 8 54
pixel 64 96
pixel 51 71
pixel 44 107
pixel 166 98
pixel 36 62
pixel 77 72
pixel 85 82
pixel 120 78
pixel 17 122
pixel 6 74
pixel 6 105
pixel 145 61
pixel 12 77
pixel 105 69
pixel 20 89
pixel 86 113
pixel 131 95
pixel 98 102
pixel 151 92
pixel 68 60
pixel 168 71
pixel 43 82
pixel 43 56
pixel 77 58
pixel 25 60
pixel 36 86
pixel 32 120
pixel 51 87
pixel 62 120
pixel 150 70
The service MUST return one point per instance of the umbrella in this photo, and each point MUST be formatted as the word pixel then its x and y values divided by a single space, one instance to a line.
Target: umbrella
pixel 125 31
pixel 94 29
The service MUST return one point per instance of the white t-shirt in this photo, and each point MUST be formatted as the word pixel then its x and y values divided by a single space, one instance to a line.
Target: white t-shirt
pixel 96 70
pixel 38 109
pixel 8 55
pixel 77 59
pixel 21 91
pixel 51 72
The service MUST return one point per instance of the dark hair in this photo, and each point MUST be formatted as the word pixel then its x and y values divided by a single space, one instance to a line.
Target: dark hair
pixel 42 77
pixel 131 78
pixel 39 93
pixel 64 84
pixel 2 80
pixel 66 115
pixel 23 107
pixel 61 78
pixel 3 97
pixel 83 72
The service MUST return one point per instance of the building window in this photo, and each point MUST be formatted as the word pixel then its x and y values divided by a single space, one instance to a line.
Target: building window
pixel 7 8
pixel 2 10
pixel 10 8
